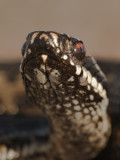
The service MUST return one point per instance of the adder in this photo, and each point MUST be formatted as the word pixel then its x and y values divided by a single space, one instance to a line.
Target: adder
pixel 69 88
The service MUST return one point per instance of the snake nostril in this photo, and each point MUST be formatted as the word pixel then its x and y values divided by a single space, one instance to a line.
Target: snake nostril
pixel 23 49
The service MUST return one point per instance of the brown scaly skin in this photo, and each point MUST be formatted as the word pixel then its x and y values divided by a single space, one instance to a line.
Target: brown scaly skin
pixel 70 88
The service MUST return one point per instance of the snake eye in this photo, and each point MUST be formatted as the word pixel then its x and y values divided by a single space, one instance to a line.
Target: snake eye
pixel 79 51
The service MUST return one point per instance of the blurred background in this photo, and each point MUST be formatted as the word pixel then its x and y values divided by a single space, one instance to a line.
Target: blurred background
pixel 97 23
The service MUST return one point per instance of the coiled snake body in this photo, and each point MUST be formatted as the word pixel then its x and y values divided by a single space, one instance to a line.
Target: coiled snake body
pixel 71 89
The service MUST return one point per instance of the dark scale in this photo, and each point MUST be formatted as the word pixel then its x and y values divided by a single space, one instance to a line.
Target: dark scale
pixel 70 88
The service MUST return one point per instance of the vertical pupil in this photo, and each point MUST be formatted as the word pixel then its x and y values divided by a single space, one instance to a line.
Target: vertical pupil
pixel 79 47
pixel 79 51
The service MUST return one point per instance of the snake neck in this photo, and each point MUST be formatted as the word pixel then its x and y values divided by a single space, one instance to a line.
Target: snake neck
pixel 70 88
pixel 77 119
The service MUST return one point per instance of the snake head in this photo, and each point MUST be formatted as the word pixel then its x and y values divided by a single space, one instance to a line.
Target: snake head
pixel 64 57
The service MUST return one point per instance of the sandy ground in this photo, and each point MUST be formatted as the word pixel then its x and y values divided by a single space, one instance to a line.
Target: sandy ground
pixel 95 22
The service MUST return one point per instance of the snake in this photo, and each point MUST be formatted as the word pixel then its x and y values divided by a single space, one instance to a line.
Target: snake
pixel 71 90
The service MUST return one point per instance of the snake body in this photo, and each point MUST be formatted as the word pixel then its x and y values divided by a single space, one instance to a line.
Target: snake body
pixel 71 89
